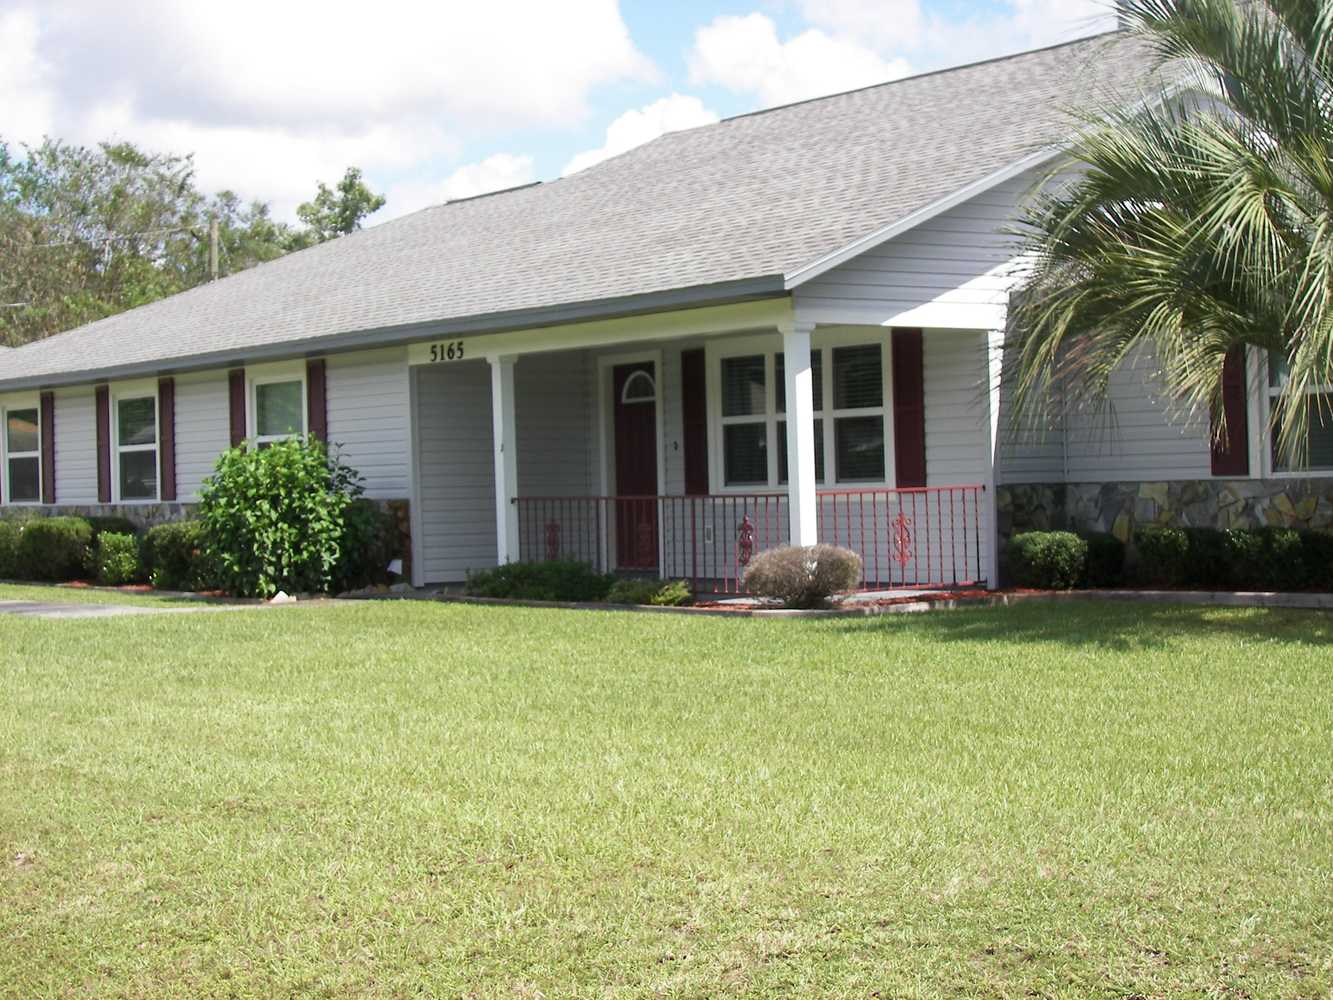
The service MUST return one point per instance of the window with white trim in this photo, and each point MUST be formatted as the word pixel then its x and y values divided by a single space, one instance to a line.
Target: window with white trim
pixel 23 455
pixel 1318 444
pixel 279 408
pixel 136 447
pixel 852 431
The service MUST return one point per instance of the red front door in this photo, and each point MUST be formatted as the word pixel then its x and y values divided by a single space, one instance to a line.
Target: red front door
pixel 635 388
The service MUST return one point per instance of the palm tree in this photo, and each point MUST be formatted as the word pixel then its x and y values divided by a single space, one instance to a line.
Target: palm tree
pixel 1202 220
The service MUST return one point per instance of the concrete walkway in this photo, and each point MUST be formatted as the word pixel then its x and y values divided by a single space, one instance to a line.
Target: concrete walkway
pixel 58 610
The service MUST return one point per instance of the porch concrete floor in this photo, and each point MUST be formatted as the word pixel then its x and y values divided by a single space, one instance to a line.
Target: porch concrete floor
pixel 866 597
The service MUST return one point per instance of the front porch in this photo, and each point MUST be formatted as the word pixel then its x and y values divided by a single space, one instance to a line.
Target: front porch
pixel 683 452
pixel 928 538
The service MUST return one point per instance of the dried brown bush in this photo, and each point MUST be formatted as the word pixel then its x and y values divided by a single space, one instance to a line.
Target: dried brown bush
pixel 803 577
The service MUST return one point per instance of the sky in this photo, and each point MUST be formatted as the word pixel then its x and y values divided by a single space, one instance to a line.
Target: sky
pixel 438 99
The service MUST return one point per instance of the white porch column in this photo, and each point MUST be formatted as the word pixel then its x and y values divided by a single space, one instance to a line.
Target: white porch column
pixel 994 375
pixel 504 435
pixel 800 434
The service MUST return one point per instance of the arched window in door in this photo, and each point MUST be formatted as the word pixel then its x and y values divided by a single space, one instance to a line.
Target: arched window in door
pixel 639 388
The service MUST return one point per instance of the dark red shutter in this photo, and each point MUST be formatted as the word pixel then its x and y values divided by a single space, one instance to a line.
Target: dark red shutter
pixel 103 403
pixel 694 417
pixel 48 445
pixel 909 409
pixel 316 396
pixel 236 393
pixel 1231 452
pixel 166 445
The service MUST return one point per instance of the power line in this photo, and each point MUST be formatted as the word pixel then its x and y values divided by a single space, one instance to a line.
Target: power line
pixel 115 238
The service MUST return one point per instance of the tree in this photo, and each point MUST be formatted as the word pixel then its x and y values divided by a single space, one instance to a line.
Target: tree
pixel 1199 224
pixel 86 233
pixel 338 211
pixel 90 232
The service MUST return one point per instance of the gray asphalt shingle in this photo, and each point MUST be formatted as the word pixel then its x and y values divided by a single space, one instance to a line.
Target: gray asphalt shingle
pixel 759 195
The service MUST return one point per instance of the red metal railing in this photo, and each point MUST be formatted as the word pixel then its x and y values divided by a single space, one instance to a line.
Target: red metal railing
pixel 907 539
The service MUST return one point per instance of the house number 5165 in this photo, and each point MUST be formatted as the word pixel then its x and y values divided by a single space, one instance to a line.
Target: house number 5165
pixel 451 351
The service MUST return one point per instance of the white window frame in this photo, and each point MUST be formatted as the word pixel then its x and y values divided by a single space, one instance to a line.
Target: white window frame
pixel 825 340
pixel 127 391
pixel 287 371
pixel 8 405
pixel 1261 414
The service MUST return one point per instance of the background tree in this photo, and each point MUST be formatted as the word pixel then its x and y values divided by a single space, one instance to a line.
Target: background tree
pixel 1200 225
pixel 338 211
pixel 89 232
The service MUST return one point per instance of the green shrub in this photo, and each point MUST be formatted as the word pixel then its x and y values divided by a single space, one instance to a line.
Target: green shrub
pixel 559 580
pixel 118 559
pixel 1207 559
pixel 1106 560
pixel 11 530
pixel 659 593
pixel 803 577
pixel 1163 555
pixel 53 548
pixel 1048 560
pixel 1317 554
pixel 101 525
pixel 1285 560
pixel 118 525
pixel 175 557
pixel 370 543
pixel 1266 559
pixel 275 518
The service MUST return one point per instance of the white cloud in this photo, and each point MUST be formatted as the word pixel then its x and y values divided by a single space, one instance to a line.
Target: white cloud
pixel 495 173
pixel 26 101
pixel 273 96
pixel 637 126
pixel 912 29
pixel 887 25
pixel 744 54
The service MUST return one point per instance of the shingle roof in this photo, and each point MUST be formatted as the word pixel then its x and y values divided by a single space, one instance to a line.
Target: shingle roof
pixel 748 200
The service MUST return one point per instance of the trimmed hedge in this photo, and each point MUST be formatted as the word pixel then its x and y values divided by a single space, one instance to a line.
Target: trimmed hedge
pixel 658 593
pixel 559 580
pixel 11 530
pixel 1267 559
pixel 1208 559
pixel 1163 555
pixel 1048 560
pixel 174 557
pixel 54 548
pixel 1106 560
pixel 117 559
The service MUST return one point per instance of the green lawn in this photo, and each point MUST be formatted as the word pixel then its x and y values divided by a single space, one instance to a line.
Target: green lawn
pixel 48 593
pixel 411 799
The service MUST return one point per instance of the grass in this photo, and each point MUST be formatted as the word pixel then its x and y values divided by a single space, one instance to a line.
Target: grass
pixel 52 593
pixel 410 799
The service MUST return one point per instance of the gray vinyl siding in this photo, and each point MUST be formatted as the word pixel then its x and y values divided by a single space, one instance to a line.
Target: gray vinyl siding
pixel 369 418
pixel 554 407
pixel 957 424
pixel 203 429
pixel 76 446
pixel 960 259
pixel 456 470
pixel 957 454
pixel 1029 452
pixel 1141 435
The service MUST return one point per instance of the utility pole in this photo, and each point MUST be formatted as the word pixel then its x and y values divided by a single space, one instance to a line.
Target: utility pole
pixel 213 249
